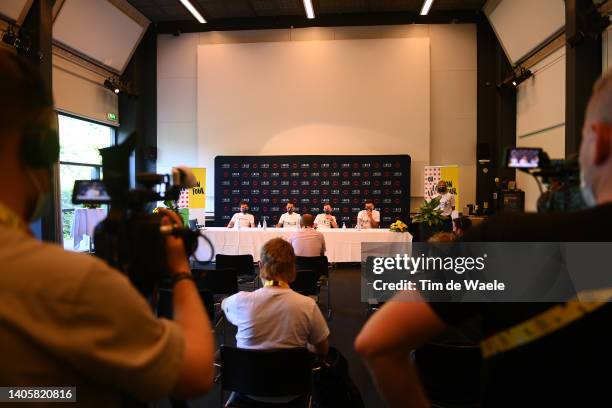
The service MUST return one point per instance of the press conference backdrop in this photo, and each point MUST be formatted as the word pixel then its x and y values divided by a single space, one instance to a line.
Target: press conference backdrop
pixel 269 182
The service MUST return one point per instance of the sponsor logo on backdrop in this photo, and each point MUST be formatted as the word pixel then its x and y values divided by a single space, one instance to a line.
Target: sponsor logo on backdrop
pixel 310 181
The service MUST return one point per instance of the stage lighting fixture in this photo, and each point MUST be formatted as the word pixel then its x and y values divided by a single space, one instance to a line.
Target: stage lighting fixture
pixel 9 37
pixel 112 84
pixel 515 80
pixel 525 74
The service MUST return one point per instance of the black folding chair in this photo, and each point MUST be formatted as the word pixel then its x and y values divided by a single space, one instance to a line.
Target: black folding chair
pixel 266 373
pixel 320 265
pixel 306 283
pixel 163 307
pixel 221 283
pixel 243 264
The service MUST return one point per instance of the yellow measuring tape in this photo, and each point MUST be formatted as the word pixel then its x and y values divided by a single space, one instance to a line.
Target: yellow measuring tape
pixel 545 323
pixel 11 220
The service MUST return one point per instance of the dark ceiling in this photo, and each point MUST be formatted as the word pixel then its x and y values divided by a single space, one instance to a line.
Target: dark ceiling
pixel 216 12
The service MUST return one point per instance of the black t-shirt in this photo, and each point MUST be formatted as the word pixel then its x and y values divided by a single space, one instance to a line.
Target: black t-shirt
pixel 569 367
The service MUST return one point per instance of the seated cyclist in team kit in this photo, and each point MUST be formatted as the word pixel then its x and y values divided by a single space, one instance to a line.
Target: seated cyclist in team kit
pixel 290 219
pixel 368 218
pixel 325 220
pixel 242 219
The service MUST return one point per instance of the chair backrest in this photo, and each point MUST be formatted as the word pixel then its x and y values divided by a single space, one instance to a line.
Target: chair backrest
pixel 266 373
pixel 243 264
pixel 319 264
pixel 450 373
pixel 164 303
pixel 217 281
pixel 305 282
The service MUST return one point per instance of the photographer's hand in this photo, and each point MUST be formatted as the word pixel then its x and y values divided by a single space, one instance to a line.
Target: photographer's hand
pixel 175 251
pixel 197 370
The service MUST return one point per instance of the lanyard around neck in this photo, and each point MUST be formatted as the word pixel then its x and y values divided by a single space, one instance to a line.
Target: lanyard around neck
pixel 11 220
pixel 276 283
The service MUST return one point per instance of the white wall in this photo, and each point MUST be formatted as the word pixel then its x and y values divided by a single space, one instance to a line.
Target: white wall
pixel 452 91
pixel 364 96
pixel 540 118
pixel 81 92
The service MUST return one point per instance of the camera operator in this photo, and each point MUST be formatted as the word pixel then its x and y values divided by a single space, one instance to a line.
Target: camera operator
pixel 558 367
pixel 68 319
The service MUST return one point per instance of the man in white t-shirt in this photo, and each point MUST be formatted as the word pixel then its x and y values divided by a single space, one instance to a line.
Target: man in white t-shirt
pixel 307 241
pixel 325 220
pixel 290 219
pixel 368 218
pixel 242 219
pixel 447 205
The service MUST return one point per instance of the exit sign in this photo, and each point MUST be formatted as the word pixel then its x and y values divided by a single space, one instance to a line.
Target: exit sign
pixel 112 117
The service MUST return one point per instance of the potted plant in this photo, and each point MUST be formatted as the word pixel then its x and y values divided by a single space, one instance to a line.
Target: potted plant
pixel 182 212
pixel 429 218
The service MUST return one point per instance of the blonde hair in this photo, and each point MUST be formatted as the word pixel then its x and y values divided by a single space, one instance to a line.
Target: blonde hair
pixel 277 261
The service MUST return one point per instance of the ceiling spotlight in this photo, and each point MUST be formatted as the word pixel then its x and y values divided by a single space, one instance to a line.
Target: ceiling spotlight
pixel 9 37
pixel 194 12
pixel 515 79
pixel 525 74
pixel 426 6
pixel 309 9
pixel 113 85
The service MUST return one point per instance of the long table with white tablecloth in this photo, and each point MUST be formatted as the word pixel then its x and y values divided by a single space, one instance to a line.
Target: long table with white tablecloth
pixel 343 245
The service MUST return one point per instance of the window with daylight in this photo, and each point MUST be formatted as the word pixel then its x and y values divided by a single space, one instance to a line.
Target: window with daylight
pixel 80 141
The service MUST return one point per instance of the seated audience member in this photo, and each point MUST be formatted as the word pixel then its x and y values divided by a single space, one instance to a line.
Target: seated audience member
pixel 368 218
pixel 325 220
pixel 462 225
pixel 559 366
pixel 68 319
pixel 276 317
pixel 242 218
pixel 307 241
pixel 290 219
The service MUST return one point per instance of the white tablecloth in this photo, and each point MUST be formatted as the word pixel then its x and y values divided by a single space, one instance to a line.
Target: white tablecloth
pixel 342 245
pixel 84 222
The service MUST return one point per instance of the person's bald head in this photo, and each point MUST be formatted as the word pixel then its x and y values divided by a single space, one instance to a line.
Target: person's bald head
pixel 307 220
pixel 599 108
pixel 596 147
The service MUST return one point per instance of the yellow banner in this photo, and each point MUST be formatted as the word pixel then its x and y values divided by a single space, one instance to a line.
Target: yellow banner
pixel 197 195
pixel 450 174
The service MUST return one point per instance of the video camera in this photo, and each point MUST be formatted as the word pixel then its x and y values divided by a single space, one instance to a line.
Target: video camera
pixel 131 238
pixel 562 178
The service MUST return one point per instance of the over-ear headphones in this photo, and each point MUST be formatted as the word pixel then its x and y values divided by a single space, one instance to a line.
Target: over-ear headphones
pixel 39 141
